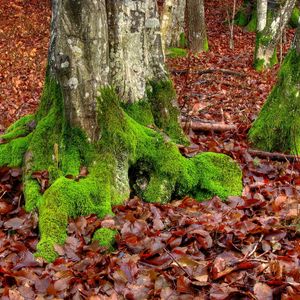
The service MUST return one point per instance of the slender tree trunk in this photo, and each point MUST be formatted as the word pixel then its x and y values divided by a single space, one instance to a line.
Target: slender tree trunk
pixel 267 40
pixel 197 37
pixel 172 24
pixel 262 9
pixel 277 127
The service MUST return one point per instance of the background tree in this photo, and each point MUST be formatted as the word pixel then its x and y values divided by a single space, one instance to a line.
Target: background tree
pixel 277 127
pixel 262 10
pixel 268 39
pixel 87 141
pixel 173 23
pixel 197 37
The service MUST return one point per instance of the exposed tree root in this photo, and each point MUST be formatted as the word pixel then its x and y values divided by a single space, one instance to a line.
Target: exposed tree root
pixel 274 155
pixel 208 71
pixel 197 125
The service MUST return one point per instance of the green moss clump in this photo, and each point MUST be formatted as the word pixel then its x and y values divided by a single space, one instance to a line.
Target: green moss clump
pixel 21 123
pixel 32 193
pixel 140 111
pixel 105 237
pixel 277 127
pixel 251 26
pixel 176 52
pixel 12 153
pixel 294 20
pixel 218 175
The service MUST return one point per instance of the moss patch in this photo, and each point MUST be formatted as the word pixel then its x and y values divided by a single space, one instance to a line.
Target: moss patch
pixel 176 52
pixel 105 237
pixel 277 127
pixel 294 20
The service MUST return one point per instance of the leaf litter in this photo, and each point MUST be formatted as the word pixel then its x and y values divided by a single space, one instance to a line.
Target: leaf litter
pixel 247 247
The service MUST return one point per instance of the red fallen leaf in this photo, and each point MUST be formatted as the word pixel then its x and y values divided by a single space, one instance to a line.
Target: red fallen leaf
pixel 27 260
pixel 5 207
pixel 246 265
pixel 62 284
pixel 41 285
pixel 14 223
pixel 262 291
pixel 275 236
pixel 183 284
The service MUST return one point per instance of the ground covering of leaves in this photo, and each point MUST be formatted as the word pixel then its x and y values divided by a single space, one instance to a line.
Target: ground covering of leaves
pixel 245 248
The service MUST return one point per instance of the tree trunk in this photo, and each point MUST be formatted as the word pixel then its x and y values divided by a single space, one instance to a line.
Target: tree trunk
pixel 89 144
pixel 277 126
pixel 172 24
pixel 262 9
pixel 267 40
pixel 197 37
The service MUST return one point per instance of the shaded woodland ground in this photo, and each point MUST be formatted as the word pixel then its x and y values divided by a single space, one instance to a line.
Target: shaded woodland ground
pixel 245 248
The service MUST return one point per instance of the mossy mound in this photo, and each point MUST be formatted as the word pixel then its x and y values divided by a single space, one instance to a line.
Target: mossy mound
pixel 105 237
pixel 277 127
pixel 132 147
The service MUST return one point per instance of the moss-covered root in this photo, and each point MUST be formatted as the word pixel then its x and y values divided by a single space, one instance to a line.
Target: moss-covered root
pixel 294 20
pixel 105 237
pixel 277 127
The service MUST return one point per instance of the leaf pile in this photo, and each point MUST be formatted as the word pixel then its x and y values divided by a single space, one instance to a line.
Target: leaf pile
pixel 24 37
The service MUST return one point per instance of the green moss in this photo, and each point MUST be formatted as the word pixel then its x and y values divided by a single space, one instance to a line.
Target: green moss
pixel 141 112
pixel 251 26
pixel 176 52
pixel 206 47
pixel 182 40
pixel 32 193
pixel 162 97
pixel 12 153
pixel 105 237
pixel 294 20
pixel 241 18
pixel 22 122
pixel 218 174
pixel 277 126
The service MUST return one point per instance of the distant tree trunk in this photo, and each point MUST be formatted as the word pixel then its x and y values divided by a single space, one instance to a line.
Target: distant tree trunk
pixel 107 119
pixel 267 40
pixel 277 127
pixel 172 24
pixel 197 37
pixel 262 10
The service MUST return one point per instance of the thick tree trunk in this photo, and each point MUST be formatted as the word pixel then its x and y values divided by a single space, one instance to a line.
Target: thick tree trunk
pixel 172 24
pixel 262 9
pixel 267 40
pixel 277 126
pixel 197 37
pixel 89 141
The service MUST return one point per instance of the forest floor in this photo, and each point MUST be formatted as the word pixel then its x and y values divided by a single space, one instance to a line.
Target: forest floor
pixel 245 248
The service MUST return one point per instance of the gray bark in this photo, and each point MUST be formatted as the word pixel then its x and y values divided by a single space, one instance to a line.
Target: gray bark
pixel 262 9
pixel 85 53
pixel 272 33
pixel 172 22
pixel 196 25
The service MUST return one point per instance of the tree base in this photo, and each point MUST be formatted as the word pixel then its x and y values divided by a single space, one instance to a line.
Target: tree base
pixel 277 127
pixel 129 150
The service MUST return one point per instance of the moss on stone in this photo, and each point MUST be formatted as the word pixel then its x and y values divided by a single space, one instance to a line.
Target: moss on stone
pixel 176 52
pixel 294 19
pixel 105 237
pixel 277 127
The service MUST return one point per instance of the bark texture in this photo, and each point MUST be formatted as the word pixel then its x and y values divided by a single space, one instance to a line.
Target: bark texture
pixel 268 39
pixel 262 9
pixel 172 23
pixel 197 37
pixel 277 127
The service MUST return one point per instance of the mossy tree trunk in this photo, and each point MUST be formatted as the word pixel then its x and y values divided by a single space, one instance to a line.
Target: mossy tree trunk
pixel 122 136
pixel 246 14
pixel 277 127
pixel 268 39
pixel 173 24
pixel 197 37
